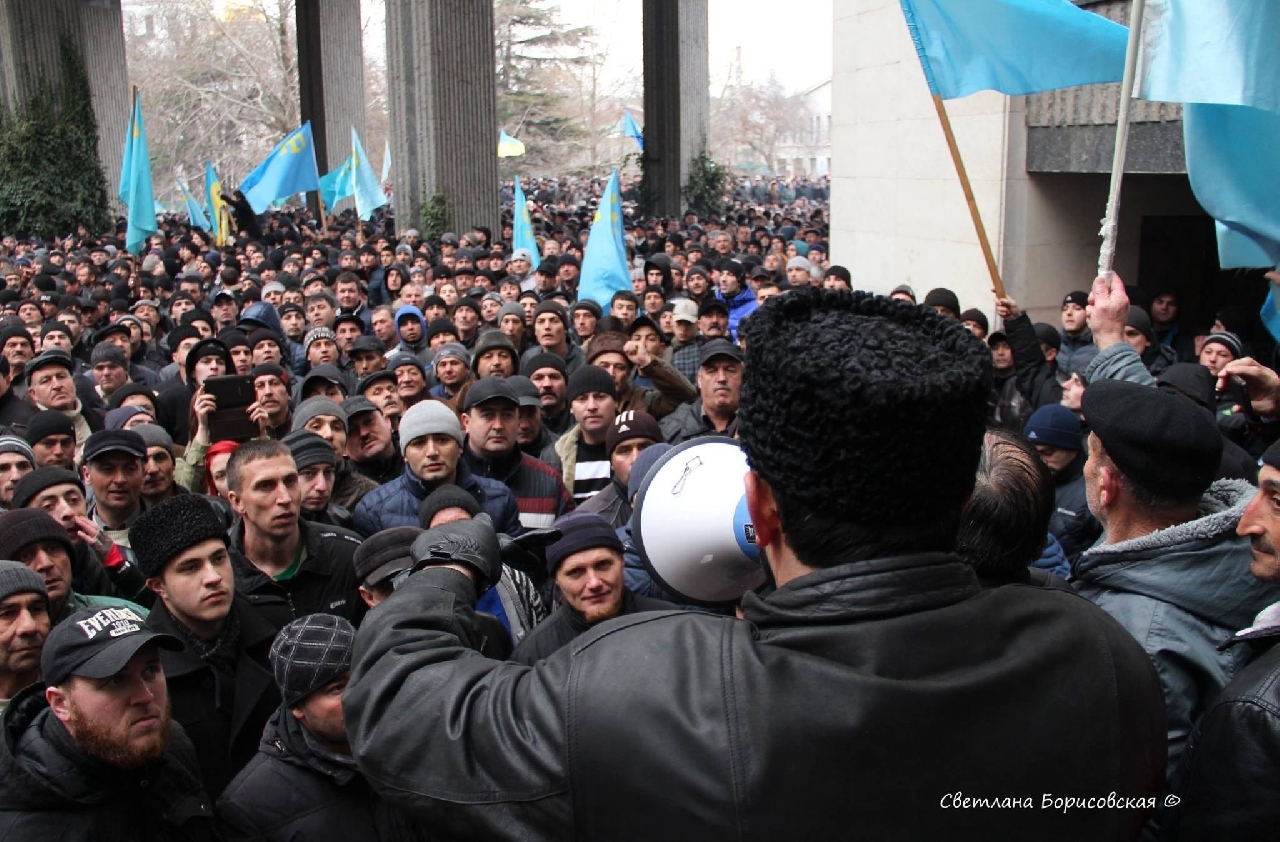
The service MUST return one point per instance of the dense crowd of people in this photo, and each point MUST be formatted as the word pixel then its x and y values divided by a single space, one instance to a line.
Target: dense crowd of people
pixel 330 533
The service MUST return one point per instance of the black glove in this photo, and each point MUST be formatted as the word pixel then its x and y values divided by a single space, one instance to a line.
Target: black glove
pixel 473 543
pixel 528 553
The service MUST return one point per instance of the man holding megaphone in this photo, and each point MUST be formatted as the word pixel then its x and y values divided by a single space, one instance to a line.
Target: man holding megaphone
pixel 874 689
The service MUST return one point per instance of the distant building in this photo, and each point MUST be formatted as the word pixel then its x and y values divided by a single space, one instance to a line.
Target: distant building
pixel 808 151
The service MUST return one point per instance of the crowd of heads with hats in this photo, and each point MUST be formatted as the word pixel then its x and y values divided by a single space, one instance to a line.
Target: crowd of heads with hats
pixel 428 395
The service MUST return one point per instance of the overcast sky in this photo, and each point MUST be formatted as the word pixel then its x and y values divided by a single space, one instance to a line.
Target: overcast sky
pixel 791 40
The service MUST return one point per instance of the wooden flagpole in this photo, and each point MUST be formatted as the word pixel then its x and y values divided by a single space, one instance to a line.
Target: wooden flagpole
pixel 1106 255
pixel 996 285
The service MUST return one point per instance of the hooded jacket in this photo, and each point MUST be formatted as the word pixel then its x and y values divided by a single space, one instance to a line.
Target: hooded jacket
pixel 294 788
pixel 51 790
pixel 836 689
pixel 1182 592
pixel 419 349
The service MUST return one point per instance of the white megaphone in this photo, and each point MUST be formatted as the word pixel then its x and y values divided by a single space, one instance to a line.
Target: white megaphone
pixel 691 524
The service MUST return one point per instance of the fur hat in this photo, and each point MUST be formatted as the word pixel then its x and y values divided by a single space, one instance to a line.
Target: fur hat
pixel 162 532
pixel 892 399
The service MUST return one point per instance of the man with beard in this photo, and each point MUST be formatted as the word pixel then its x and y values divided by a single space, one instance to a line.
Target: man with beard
pixel 219 684
pixel 490 422
pixel 92 753
pixel 548 374
pixel 587 566
pixel 371 444
pixel 367 356
pixel 24 625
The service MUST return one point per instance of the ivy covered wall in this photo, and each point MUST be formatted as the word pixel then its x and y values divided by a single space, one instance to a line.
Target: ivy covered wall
pixel 50 176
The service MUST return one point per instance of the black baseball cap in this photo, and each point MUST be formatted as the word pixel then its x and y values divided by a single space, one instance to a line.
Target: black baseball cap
pixel 526 393
pixel 114 441
pixel 713 305
pixel 718 348
pixel 356 404
pixel 97 643
pixel 490 389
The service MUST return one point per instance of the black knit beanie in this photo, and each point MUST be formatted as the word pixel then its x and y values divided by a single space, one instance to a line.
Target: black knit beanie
pixel 892 400
pixel 40 479
pixel 591 378
pixel 49 422
pixel 446 497
pixel 21 528
pixel 543 360
pixel 162 532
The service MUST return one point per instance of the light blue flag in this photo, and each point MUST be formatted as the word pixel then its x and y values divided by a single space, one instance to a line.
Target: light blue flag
pixel 365 184
pixel 604 263
pixel 386 163
pixel 136 193
pixel 1219 58
pixel 290 168
pixel 338 185
pixel 522 225
pixel 630 129
pixel 194 212
pixel 1013 46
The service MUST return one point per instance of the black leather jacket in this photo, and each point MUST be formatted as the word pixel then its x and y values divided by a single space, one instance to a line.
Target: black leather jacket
pixel 862 696
pixel 1230 770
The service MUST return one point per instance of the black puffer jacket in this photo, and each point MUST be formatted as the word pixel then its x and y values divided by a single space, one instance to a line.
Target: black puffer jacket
pixel 50 790
pixel 1230 771
pixel 862 696
pixel 1072 523
pixel 294 789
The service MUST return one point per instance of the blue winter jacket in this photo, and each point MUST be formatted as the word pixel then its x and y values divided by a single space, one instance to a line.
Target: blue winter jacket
pixel 740 306
pixel 397 502
pixel 1182 592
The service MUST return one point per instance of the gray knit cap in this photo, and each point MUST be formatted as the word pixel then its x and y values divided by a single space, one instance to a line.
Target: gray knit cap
pixel 16 577
pixel 13 444
pixel 314 408
pixel 155 436
pixel 427 417
pixel 309 653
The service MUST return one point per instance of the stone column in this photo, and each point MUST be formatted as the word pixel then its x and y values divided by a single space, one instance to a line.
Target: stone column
pixel 442 87
pixel 331 78
pixel 102 23
pixel 677 97
pixel 30 33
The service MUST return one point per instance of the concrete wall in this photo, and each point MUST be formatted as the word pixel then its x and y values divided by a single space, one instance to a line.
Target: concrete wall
pixel 898 213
